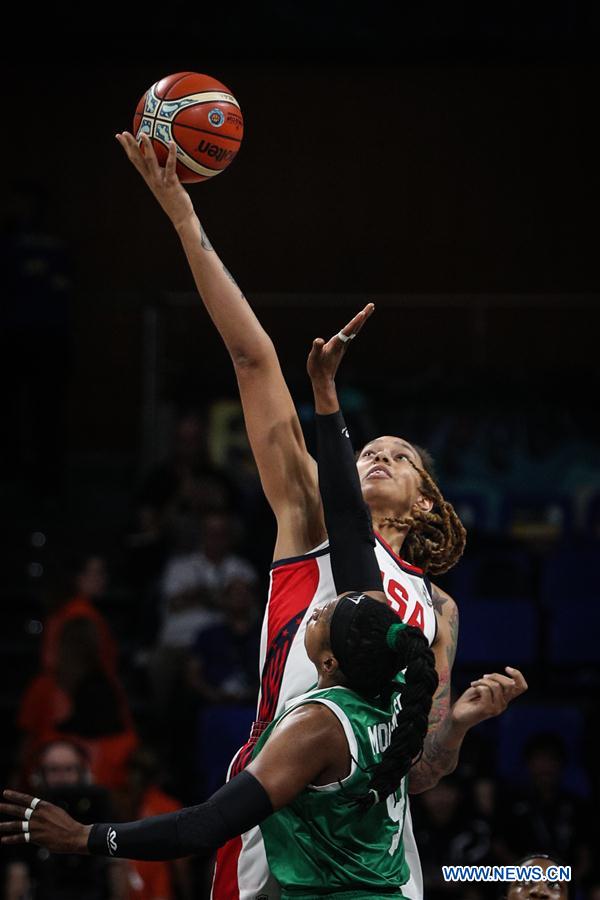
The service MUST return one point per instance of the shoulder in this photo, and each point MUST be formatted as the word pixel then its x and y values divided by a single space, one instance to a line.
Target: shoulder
pixel 446 613
pixel 311 723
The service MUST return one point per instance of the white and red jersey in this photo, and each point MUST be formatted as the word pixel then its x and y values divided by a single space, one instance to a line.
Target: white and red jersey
pixel 297 586
pixel 300 584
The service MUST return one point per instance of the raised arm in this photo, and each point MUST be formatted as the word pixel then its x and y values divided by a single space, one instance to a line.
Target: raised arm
pixel 287 472
pixel 347 516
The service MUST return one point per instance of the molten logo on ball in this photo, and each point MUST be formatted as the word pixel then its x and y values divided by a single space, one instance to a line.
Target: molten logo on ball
pixel 215 151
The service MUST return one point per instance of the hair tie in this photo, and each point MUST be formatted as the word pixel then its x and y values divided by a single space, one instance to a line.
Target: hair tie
pixel 392 632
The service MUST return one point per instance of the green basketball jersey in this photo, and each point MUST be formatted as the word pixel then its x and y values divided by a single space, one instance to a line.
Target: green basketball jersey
pixel 321 844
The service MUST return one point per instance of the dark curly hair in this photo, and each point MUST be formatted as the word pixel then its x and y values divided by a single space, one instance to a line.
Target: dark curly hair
pixel 436 539
pixel 377 647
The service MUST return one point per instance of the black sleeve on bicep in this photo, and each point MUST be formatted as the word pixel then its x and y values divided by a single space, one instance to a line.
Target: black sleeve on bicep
pixel 235 808
pixel 347 516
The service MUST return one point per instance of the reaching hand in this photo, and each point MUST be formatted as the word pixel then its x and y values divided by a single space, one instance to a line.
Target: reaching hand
pixel 487 697
pixel 41 823
pixel 324 358
pixel 162 181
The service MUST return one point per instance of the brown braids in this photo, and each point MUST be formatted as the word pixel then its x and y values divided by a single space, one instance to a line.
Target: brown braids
pixel 435 539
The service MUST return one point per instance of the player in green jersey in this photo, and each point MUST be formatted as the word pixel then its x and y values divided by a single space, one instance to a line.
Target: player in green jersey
pixel 326 779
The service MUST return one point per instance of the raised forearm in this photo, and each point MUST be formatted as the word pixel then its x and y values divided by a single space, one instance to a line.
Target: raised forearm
pixel 439 757
pixel 243 335
pixel 325 394
pixel 347 517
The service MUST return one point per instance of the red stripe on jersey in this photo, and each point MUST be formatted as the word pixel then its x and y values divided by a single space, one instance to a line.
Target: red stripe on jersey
pixel 401 562
pixel 293 587
pixel 225 882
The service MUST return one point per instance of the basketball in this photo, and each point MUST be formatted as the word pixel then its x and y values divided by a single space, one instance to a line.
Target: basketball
pixel 197 112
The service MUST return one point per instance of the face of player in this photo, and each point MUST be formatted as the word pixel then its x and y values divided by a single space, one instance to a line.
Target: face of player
pixel 538 890
pixel 389 482
pixel 317 635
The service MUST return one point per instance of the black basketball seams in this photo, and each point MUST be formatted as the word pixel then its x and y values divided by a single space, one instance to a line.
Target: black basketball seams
pixel 170 88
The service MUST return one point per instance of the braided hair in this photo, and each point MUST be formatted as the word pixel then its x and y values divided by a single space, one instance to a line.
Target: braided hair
pixel 436 538
pixel 375 647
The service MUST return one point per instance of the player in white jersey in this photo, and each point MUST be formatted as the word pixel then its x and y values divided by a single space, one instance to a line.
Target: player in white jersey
pixel 409 514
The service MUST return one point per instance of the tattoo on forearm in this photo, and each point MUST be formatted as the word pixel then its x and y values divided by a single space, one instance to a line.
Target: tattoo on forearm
pixel 453 626
pixel 206 244
pixel 435 762
pixel 441 701
pixel 229 275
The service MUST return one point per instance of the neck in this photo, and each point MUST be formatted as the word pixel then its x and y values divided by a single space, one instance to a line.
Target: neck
pixel 327 681
pixel 391 534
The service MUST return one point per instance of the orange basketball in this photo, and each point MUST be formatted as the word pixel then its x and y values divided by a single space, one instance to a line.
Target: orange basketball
pixel 197 112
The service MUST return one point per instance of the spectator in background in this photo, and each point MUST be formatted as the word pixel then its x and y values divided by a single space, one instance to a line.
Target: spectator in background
pixel 87 585
pixel 80 700
pixel 211 564
pixel 223 665
pixel 223 673
pixel 544 813
pixel 63 776
pixel 537 890
pixel 152 880
pixel 449 832
pixel 193 589
pixel 180 490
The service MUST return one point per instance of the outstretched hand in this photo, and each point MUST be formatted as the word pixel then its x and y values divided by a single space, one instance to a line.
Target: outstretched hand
pixel 325 358
pixel 487 697
pixel 41 823
pixel 162 180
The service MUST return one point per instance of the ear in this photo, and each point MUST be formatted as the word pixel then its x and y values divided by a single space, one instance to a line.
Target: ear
pixel 423 503
pixel 329 663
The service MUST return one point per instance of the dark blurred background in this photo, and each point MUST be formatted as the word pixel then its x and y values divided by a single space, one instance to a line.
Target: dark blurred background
pixel 440 160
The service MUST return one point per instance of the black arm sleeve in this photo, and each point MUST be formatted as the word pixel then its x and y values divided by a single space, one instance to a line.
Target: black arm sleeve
pixel 232 810
pixel 347 516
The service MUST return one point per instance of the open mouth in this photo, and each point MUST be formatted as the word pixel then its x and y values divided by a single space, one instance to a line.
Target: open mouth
pixel 379 472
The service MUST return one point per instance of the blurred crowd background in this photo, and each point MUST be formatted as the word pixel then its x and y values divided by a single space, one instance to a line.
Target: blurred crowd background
pixel 448 174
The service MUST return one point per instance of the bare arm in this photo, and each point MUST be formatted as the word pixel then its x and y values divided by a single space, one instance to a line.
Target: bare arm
pixel 488 696
pixel 308 747
pixel 443 741
pixel 287 472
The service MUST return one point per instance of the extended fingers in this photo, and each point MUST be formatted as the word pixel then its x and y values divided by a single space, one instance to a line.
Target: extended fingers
pixel 8 809
pixel 494 691
pixel 518 678
pixel 18 799
pixel 171 166
pixel 15 828
pixel 150 156
pixel 355 324
pixel 507 684
pixel 14 839
pixel 131 148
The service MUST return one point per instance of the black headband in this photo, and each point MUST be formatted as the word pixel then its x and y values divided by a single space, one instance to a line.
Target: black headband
pixel 341 621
